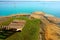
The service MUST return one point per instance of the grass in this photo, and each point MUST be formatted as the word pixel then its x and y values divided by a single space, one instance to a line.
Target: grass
pixel 7 22
pixel 29 32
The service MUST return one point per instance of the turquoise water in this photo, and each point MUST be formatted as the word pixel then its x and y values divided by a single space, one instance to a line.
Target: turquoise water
pixel 8 8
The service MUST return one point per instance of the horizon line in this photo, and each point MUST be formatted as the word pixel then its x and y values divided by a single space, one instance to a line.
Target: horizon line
pixel 29 1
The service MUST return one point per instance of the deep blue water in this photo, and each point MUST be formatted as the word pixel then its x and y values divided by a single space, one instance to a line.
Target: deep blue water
pixel 8 8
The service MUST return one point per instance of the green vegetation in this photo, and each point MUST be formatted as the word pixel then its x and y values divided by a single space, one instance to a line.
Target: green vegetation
pixel 29 32
pixel 5 23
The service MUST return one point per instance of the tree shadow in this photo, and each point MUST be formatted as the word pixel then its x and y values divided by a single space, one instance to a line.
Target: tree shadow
pixel 6 33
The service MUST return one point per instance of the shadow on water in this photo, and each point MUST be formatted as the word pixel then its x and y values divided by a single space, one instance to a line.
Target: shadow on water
pixel 6 33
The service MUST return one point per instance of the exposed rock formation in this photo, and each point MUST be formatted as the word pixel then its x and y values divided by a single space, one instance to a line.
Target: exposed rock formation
pixel 49 26
pixel 37 15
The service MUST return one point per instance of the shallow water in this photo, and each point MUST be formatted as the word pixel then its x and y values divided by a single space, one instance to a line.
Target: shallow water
pixel 8 8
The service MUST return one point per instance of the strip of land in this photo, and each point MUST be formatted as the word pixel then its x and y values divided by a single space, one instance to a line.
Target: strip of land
pixel 38 26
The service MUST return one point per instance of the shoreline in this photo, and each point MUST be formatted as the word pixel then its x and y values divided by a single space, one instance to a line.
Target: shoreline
pixel 14 15
pixel 22 14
